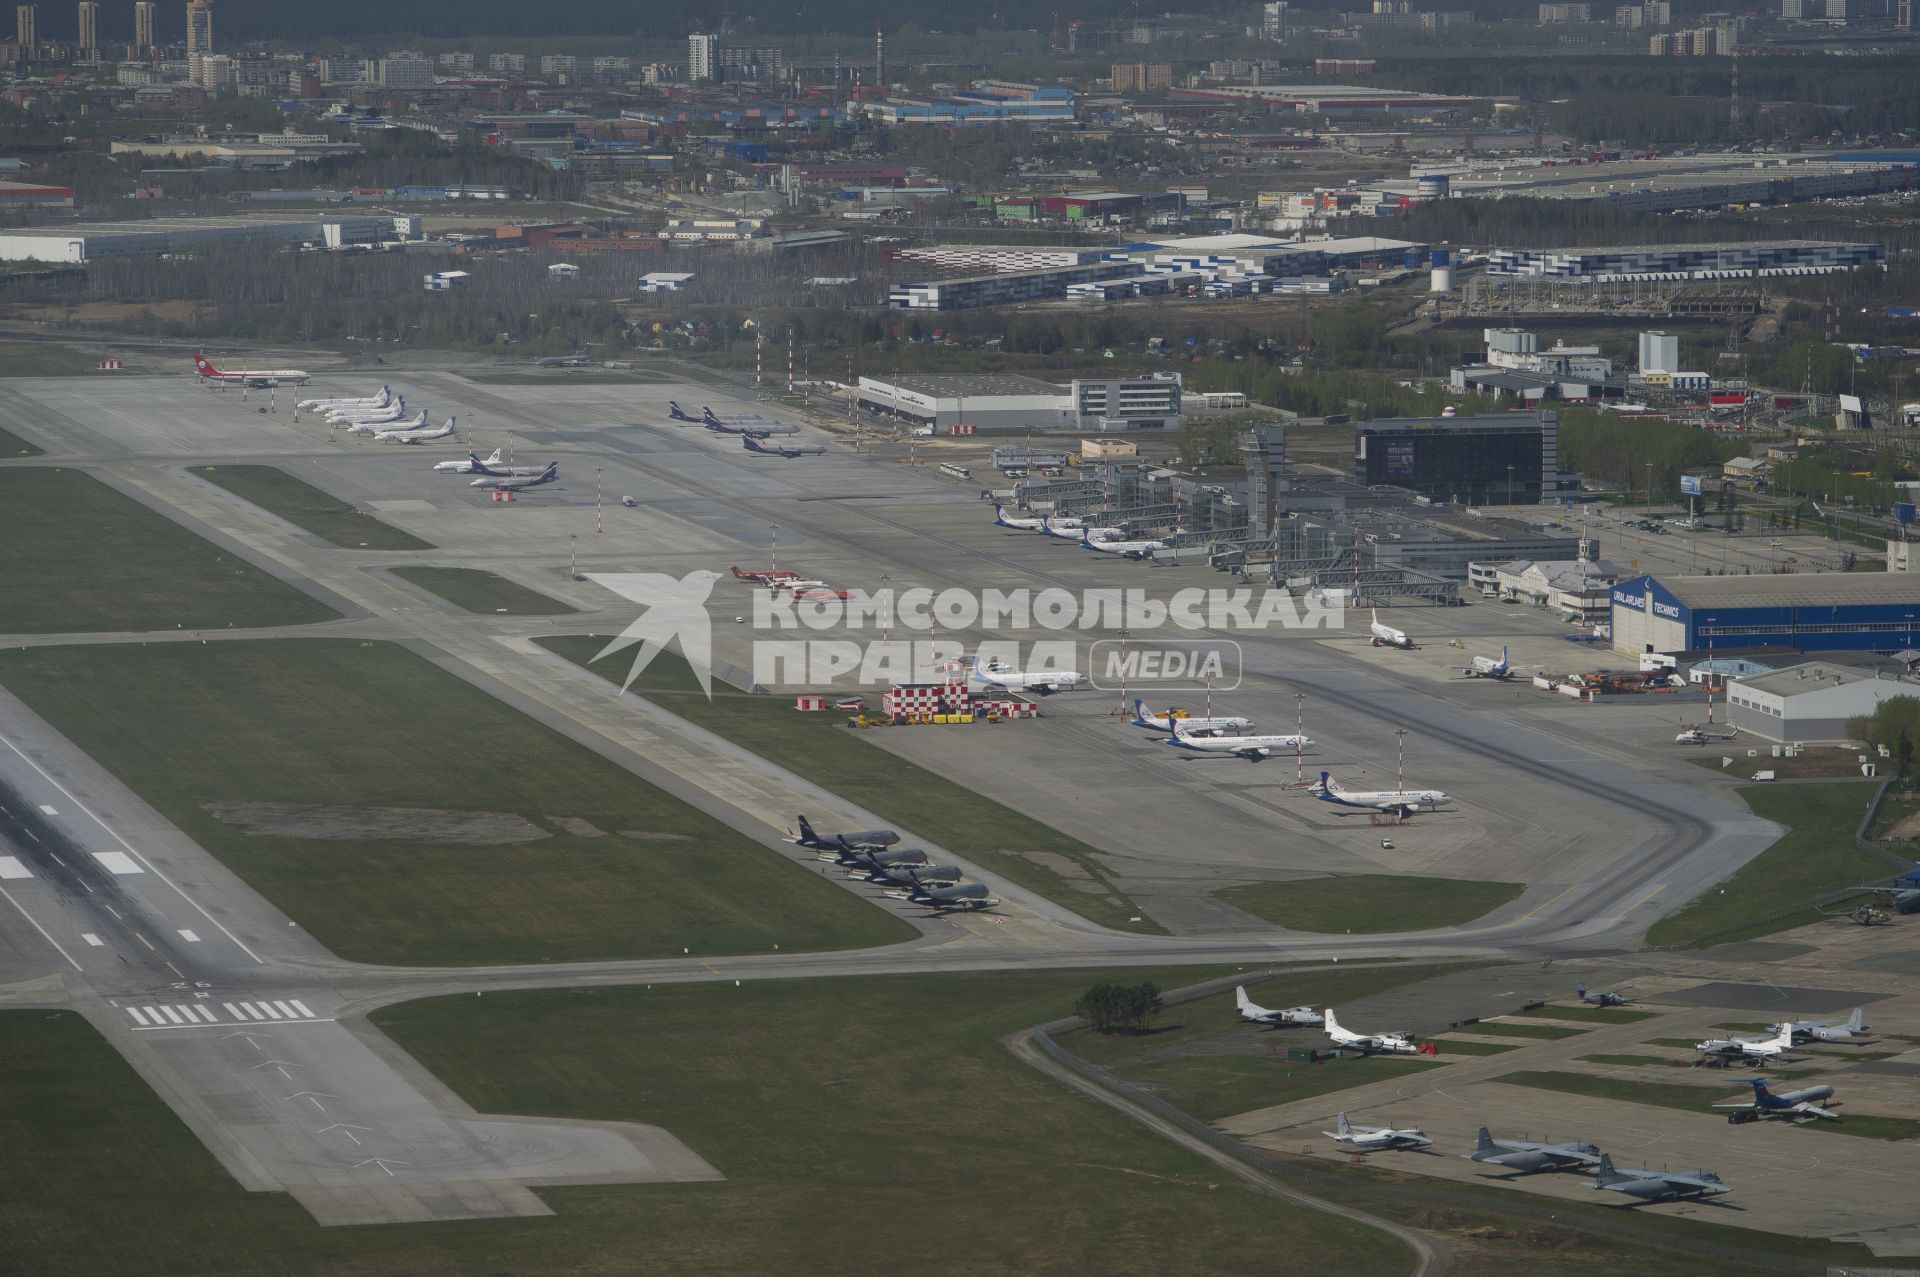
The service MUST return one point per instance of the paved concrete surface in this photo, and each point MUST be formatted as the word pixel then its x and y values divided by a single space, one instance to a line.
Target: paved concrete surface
pixel 1551 795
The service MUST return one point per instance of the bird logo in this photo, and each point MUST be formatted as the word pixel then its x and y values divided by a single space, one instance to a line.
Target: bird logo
pixel 676 612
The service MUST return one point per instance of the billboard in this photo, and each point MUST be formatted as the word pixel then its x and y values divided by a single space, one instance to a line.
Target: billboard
pixel 1690 484
pixel 1903 512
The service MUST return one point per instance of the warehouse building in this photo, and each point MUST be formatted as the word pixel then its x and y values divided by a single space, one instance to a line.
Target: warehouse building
pixel 1686 261
pixel 1811 702
pixel 1806 612
pixel 153 236
pixel 1510 457
pixel 1004 400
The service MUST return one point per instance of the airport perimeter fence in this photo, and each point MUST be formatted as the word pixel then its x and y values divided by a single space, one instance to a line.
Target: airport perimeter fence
pixel 1820 903
pixel 1328 1185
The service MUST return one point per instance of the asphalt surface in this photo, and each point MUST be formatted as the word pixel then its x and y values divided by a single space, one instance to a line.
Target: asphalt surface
pixel 1602 834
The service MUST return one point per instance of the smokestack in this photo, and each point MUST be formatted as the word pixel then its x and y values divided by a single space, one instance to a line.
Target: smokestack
pixel 880 59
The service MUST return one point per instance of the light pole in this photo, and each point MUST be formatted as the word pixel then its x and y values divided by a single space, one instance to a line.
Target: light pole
pixel 886 617
pixel 1123 678
pixel 1649 466
pixel 1299 739
pixel 599 517
pixel 1509 489
pixel 775 566
pixel 1401 784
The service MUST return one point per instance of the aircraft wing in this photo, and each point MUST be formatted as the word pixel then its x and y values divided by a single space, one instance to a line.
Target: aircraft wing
pixel 1814 1110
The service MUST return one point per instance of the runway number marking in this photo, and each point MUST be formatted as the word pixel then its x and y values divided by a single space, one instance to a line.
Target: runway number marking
pixel 188 936
pixel 10 867
pixel 47 811
pixel 118 862
pixel 92 939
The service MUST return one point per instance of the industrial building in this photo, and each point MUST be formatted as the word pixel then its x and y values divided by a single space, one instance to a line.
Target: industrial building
pixel 154 236
pixel 1005 400
pixel 1811 702
pixel 1332 99
pixel 1028 274
pixel 1686 261
pixel 1042 104
pixel 1510 457
pixel 1807 612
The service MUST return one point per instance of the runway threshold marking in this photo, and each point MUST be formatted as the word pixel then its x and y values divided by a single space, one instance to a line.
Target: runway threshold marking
pixel 114 834
pixel 118 862
pixel 47 811
pixel 188 936
pixel 10 867
pixel 93 940
pixel 199 1015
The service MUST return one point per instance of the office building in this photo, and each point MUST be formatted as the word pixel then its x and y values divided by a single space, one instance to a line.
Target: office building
pixel 1127 403
pixel 1686 261
pixel 143 39
pixel 1263 450
pixel 199 28
pixel 89 27
pixel 1495 458
pixel 701 50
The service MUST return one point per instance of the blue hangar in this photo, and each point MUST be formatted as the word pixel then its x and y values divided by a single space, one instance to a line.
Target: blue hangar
pixel 1808 612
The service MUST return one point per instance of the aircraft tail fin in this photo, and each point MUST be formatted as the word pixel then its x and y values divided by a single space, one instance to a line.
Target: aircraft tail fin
pixel 1333 1024
pixel 1485 1142
pixel 1328 783
pixel 1604 1173
pixel 1853 1022
pixel 1242 1001
pixel 1580 988
pixel 807 837
pixel 1342 1125
pixel 201 365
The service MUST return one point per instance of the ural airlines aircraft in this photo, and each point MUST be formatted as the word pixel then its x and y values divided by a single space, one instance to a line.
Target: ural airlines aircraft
pixel 1164 722
pixel 753 445
pixel 261 377
pixel 1131 549
pixel 1000 519
pixel 1368 1137
pixel 1249 1010
pixel 1000 674
pixel 1487 667
pixel 1404 801
pixel 416 434
pixel 1072 529
pixel 1387 636
pixel 472 465
pixel 1251 748
pixel 371 416
pixel 1369 1043
pixel 379 400
pixel 377 427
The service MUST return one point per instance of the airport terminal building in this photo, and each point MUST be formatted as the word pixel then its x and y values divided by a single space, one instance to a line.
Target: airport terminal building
pixel 1510 457
pixel 1806 612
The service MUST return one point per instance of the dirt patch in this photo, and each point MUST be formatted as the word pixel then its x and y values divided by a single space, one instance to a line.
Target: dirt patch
pixel 646 835
pixel 577 827
pixel 386 824
pixel 1907 829
pixel 1065 866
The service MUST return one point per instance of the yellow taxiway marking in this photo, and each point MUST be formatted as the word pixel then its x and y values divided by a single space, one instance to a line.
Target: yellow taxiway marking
pixel 1642 900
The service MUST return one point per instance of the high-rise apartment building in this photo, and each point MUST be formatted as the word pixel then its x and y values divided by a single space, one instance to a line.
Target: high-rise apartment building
pixel 508 62
pixel 1142 77
pixel 26 30
pixel 143 41
pixel 1273 20
pixel 701 48
pixel 199 27
pixel 89 28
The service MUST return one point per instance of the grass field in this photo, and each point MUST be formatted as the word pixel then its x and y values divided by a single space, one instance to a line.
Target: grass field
pixel 473 590
pixel 627 871
pixel 82 556
pixel 45 359
pixel 1701 1099
pixel 905 1138
pixel 305 506
pixel 12 445
pixel 1201 1056
pixel 1816 855
pixel 1363 903
pixel 820 748
pixel 1592 1015
pixel 1515 1029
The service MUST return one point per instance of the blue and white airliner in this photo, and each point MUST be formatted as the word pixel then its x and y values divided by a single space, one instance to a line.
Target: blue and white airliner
pixel 1251 748
pixel 1403 801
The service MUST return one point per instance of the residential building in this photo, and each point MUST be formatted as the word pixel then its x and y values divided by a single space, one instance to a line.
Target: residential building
pixel 701 61
pixel 407 71
pixel 1273 20
pixel 612 68
pixel 554 65
pixel 212 71
pixel 1560 13
pixel 455 63
pixel 199 27
pixel 143 40
pixel 507 63
pixel 88 45
pixel 1142 77
pixel 26 31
